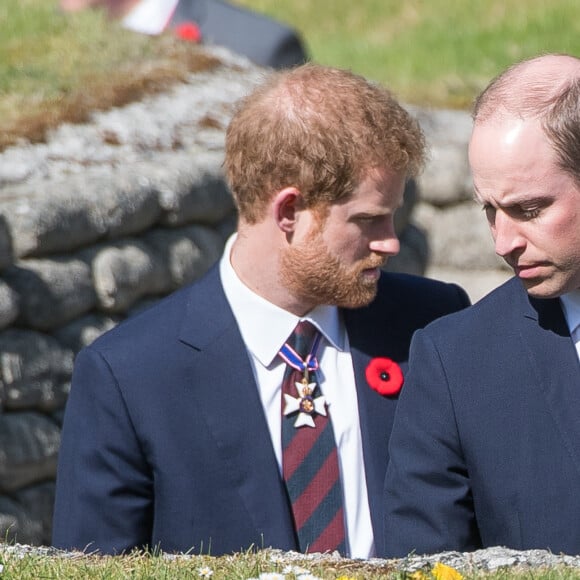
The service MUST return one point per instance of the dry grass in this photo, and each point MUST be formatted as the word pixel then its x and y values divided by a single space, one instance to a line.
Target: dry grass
pixel 171 63
pixel 74 65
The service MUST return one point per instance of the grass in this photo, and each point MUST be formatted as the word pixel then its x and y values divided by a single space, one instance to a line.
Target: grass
pixel 241 566
pixel 431 52
pixel 137 565
pixel 57 67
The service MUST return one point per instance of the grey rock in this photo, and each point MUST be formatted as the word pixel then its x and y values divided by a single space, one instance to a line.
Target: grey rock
pixel 192 189
pixel 19 550
pixel 5 243
pixel 83 331
pixel 55 218
pixel 471 564
pixel 187 253
pixel 444 125
pixel 489 560
pixel 12 521
pixel 123 273
pixel 127 202
pixel 68 213
pixel 36 522
pixel 458 237
pixel 8 305
pixel 52 291
pixel 34 371
pixel 29 450
pixel 446 179
pixel 15 170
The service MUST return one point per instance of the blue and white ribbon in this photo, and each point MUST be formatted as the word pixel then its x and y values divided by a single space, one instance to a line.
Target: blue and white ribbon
pixel 292 358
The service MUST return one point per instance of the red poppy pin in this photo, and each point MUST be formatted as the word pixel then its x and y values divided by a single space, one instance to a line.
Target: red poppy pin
pixel 188 31
pixel 384 376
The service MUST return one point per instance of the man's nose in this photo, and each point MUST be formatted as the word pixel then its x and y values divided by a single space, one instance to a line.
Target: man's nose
pixel 506 235
pixel 386 242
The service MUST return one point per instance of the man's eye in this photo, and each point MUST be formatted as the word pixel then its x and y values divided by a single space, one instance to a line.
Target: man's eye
pixel 529 214
pixel 365 219
pixel 489 212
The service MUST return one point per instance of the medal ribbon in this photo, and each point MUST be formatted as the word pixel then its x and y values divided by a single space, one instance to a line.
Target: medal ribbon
pixel 292 358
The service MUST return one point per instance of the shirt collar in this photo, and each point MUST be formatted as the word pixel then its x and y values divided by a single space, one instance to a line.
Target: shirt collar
pixel 150 16
pixel 571 307
pixel 251 311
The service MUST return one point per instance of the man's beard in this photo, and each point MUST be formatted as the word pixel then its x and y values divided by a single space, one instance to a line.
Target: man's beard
pixel 311 273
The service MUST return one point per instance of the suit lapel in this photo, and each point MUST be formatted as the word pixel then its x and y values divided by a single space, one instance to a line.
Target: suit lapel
pixel 228 397
pixel 553 358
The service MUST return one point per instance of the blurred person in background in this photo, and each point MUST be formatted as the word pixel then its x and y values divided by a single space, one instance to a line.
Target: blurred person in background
pixel 261 39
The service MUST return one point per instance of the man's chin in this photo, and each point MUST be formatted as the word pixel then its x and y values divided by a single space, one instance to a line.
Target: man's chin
pixel 543 289
pixel 360 298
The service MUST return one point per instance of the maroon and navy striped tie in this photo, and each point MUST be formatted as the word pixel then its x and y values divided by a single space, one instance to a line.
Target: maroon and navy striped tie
pixel 310 458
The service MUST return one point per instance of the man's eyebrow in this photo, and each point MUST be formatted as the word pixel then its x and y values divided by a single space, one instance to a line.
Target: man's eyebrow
pixel 371 213
pixel 525 200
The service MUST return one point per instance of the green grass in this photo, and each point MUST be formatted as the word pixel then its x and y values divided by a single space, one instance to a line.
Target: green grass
pixel 239 566
pixel 236 567
pixel 430 52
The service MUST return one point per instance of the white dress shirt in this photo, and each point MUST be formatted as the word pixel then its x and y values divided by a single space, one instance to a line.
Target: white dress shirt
pixel 265 328
pixel 150 16
pixel 571 307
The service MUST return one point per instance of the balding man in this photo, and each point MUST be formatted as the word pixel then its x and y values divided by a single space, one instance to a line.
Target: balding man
pixel 485 447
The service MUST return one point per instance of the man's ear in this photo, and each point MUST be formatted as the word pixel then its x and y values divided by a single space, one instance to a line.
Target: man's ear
pixel 285 205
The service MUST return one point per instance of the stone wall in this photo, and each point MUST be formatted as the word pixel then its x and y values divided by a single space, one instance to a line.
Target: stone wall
pixel 107 217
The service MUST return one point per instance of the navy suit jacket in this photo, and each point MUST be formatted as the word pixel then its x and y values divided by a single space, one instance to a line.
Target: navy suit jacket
pixel 165 442
pixel 485 447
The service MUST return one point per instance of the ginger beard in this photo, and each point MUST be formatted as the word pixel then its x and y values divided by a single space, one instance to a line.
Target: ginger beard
pixel 312 273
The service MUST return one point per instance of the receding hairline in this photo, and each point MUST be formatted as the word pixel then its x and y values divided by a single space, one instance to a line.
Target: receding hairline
pixel 289 94
pixel 527 88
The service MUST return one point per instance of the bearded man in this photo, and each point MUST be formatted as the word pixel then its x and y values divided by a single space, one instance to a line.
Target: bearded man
pixel 253 408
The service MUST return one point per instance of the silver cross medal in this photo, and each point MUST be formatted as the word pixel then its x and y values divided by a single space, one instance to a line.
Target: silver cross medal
pixel 305 403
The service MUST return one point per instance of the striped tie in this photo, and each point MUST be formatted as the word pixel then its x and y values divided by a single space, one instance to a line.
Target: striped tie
pixel 310 459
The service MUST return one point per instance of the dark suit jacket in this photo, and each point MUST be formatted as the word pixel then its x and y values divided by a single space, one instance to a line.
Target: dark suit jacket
pixel 485 448
pixel 263 40
pixel 165 442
